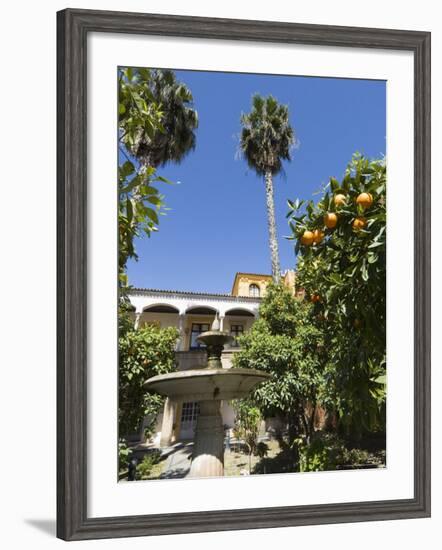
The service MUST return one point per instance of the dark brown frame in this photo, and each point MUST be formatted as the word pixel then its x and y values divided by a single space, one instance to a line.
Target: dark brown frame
pixel 73 27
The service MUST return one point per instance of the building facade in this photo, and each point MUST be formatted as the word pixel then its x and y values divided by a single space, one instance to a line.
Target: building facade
pixel 193 313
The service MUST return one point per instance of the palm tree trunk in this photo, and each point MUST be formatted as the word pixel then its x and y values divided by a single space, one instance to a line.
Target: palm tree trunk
pixel 271 221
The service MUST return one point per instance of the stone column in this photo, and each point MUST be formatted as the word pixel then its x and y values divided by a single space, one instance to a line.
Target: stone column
pixel 168 422
pixel 137 319
pixel 208 450
pixel 182 341
pixel 221 322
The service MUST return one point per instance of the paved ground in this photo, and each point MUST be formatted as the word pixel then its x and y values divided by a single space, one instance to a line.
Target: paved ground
pixel 176 459
pixel 178 462
pixel 236 463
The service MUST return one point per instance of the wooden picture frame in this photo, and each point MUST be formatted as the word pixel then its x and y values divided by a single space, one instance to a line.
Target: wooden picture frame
pixel 73 27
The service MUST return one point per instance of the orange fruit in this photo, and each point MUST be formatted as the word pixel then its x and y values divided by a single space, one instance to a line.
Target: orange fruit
pixel 365 200
pixel 330 220
pixel 340 199
pixel 307 238
pixel 315 298
pixel 318 235
pixel 359 223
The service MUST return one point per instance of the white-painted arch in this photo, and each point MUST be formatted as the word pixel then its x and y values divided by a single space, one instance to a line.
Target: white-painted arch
pixel 183 301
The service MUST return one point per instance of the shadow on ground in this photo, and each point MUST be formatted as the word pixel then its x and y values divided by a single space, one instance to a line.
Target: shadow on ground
pixel 178 463
pixel 283 462
pixel 178 473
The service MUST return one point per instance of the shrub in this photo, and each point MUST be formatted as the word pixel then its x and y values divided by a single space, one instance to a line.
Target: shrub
pixel 324 452
pixel 262 449
pixel 123 455
pixel 327 451
pixel 143 353
pixel 144 468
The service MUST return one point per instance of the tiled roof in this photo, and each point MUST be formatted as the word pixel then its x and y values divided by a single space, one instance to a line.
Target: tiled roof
pixel 192 293
pixel 267 275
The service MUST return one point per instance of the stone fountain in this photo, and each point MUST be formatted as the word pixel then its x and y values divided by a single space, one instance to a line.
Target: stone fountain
pixel 208 385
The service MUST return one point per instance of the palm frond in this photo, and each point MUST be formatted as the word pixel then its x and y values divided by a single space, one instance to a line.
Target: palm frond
pixel 267 136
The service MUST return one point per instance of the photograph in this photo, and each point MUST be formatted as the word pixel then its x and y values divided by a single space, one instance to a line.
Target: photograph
pixel 225 232
pixel 252 214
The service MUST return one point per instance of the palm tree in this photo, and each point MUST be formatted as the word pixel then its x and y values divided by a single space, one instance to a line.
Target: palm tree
pixel 179 120
pixel 266 140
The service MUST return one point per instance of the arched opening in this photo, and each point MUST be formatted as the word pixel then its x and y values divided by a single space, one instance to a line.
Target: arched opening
pixel 238 321
pixel 201 310
pixel 240 312
pixel 160 308
pixel 159 315
pixel 200 320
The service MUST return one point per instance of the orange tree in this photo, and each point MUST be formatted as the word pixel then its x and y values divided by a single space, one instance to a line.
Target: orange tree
pixel 341 248
pixel 286 343
pixel 143 353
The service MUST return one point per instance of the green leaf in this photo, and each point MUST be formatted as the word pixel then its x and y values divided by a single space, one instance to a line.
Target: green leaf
pixel 152 215
pixel 126 169
pixel 154 200
pixel 133 183
pixel 381 379
pixel 364 271
pixel 375 244
pixel 145 74
pixel 129 210
pixel 164 180
pixel 334 184
pixel 150 190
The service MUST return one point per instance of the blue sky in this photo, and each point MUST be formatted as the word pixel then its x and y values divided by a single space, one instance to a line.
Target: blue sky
pixel 217 224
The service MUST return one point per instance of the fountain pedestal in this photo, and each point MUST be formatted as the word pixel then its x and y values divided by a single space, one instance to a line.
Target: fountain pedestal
pixel 208 449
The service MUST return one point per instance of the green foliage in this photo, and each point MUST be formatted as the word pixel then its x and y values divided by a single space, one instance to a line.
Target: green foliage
pixel 124 454
pixel 266 137
pixel 280 311
pixel 168 105
pixel 356 456
pixel 156 125
pixel 125 322
pixel 346 273
pixel 139 202
pixel 139 113
pixel 262 449
pixel 327 451
pixel 144 468
pixel 143 353
pixel 139 207
pixel 323 453
pixel 247 420
pixel 286 343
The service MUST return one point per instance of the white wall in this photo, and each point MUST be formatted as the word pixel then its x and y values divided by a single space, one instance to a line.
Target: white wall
pixel 28 267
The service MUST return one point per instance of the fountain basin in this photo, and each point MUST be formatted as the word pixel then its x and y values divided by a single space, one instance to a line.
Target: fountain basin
pixel 206 384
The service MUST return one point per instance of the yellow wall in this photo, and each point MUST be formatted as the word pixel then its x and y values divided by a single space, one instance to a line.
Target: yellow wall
pixel 243 282
pixel 241 286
